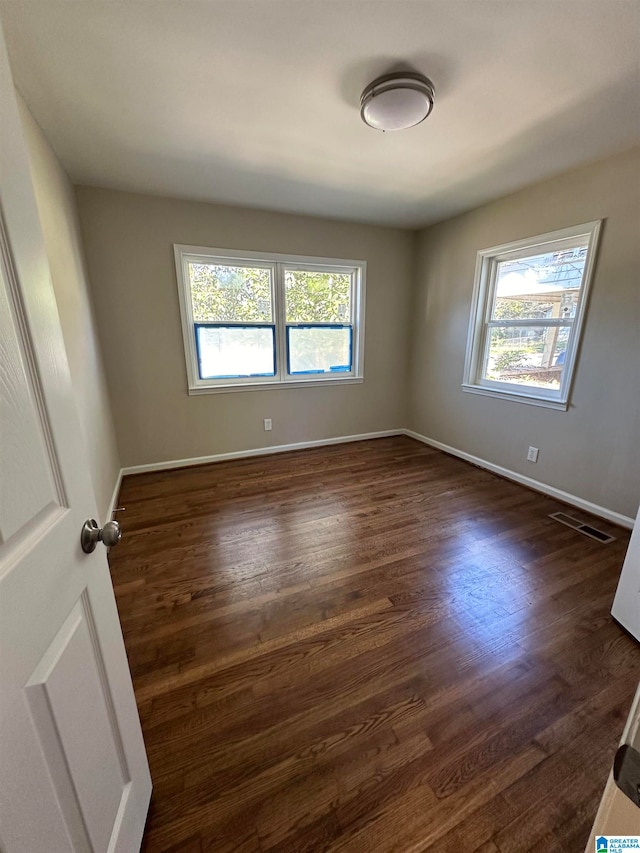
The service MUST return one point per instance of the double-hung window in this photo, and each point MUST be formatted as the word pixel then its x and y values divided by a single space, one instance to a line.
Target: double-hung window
pixel 528 307
pixel 251 320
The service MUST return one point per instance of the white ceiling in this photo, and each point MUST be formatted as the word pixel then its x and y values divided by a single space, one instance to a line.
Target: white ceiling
pixel 255 102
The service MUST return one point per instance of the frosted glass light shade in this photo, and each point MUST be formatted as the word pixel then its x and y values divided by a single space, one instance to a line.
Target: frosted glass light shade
pixel 397 101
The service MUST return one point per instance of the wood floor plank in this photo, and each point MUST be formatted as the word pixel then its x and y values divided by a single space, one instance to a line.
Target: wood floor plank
pixel 368 647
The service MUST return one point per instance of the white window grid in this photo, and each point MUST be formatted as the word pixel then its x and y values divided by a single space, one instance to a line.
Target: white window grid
pixel 277 264
pixel 482 319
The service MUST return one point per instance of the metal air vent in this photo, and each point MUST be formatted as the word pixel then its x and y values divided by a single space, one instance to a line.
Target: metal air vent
pixel 581 527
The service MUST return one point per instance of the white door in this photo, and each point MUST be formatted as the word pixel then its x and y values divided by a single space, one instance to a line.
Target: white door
pixel 73 769
pixel 617 814
pixel 626 604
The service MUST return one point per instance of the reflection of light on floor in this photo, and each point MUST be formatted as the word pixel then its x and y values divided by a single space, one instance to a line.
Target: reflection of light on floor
pixel 275 538
pixel 490 593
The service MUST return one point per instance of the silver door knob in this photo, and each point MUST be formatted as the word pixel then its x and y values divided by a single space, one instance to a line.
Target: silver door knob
pixel 91 534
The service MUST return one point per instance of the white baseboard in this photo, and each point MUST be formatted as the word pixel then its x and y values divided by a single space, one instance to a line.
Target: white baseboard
pixel 114 497
pixel 565 497
pixel 552 491
pixel 258 451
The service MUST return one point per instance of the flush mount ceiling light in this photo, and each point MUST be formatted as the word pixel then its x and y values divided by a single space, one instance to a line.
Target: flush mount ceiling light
pixel 397 101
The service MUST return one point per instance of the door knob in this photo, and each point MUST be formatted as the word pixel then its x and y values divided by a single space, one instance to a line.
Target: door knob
pixel 91 534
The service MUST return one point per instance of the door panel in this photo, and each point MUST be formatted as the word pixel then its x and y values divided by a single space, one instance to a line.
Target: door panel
pixel 74 774
pixel 71 711
pixel 23 451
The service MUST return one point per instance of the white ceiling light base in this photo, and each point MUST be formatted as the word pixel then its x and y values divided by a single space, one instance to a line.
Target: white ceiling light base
pixel 397 101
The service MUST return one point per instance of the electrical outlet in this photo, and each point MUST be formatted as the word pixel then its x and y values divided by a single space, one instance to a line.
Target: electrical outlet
pixel 532 455
pixel 267 424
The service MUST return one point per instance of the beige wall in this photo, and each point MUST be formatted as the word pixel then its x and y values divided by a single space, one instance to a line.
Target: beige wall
pixel 128 242
pixel 592 450
pixel 59 219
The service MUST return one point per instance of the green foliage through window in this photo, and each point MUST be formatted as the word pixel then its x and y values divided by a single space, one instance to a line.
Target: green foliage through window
pixel 317 297
pixel 221 293
pixel 252 318
pixel 515 309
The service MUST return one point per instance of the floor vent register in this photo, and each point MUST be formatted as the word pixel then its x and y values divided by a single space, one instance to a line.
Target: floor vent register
pixel 587 529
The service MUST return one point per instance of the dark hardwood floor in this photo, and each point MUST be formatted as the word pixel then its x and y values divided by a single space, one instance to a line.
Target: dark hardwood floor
pixel 368 647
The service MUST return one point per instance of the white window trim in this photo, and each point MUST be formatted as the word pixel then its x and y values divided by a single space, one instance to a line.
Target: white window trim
pixel 482 300
pixel 276 262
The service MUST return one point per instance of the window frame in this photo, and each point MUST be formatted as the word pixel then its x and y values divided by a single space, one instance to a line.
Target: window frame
pixel 480 323
pixel 278 263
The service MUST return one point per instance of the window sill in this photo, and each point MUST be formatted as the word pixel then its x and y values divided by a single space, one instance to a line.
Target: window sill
pixel 514 396
pixel 271 386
